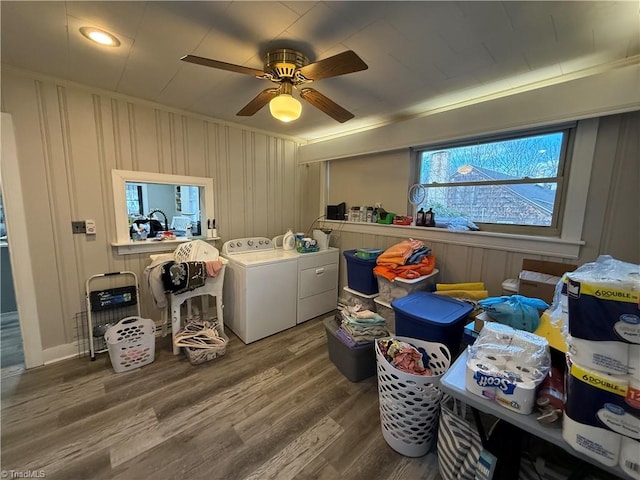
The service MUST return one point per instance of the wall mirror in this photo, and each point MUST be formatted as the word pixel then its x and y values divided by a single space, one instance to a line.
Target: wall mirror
pixel 145 203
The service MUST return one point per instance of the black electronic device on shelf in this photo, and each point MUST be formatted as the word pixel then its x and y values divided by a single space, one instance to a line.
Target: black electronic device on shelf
pixel 336 212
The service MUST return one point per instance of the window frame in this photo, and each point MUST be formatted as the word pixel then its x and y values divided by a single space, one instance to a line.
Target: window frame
pixel 142 195
pixel 119 178
pixel 562 177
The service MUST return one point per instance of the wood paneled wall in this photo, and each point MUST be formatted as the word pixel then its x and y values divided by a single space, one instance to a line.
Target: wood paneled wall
pixel 69 138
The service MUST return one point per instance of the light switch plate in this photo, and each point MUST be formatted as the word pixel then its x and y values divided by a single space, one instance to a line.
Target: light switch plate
pixel 91 227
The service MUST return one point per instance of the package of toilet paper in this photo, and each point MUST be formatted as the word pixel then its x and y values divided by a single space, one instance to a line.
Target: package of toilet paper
pixel 630 457
pixel 602 400
pixel 605 356
pixel 598 443
pixel 604 301
pixel 506 365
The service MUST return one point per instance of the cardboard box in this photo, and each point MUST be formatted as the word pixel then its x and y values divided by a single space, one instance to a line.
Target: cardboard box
pixel 478 321
pixel 538 278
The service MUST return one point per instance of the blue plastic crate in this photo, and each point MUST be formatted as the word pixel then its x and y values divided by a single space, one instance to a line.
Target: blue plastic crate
pixel 431 317
pixel 360 273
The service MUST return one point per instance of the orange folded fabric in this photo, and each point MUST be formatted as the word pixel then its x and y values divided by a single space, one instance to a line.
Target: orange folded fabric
pixel 399 253
pixel 425 267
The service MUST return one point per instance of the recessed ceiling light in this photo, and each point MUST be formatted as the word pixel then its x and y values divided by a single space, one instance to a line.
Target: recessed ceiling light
pixel 100 36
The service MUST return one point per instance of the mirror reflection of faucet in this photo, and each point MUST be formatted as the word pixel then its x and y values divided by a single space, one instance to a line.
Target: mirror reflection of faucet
pixel 166 222
pixel 150 228
pixel 160 234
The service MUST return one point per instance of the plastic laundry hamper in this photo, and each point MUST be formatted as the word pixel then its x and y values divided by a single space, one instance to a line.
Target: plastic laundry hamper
pixel 131 343
pixel 410 404
pixel 195 250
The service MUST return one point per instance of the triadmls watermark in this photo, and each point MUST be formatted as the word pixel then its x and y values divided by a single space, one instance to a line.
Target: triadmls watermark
pixel 22 474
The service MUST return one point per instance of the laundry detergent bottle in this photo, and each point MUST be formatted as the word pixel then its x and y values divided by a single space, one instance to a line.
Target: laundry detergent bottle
pixel 289 240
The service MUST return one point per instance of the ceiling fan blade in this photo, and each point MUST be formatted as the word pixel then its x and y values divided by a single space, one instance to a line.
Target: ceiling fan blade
pixel 340 64
pixel 328 106
pixel 258 102
pixel 207 62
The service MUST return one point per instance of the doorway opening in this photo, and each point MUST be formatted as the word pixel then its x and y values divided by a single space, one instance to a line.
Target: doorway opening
pixel 11 352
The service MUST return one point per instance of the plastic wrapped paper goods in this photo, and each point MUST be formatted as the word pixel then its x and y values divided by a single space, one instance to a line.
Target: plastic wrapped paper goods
pixel 506 365
pixel 604 317
pixel 603 301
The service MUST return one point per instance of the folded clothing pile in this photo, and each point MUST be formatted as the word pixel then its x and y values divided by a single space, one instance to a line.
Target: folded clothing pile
pixel 404 356
pixel 407 259
pixel 359 326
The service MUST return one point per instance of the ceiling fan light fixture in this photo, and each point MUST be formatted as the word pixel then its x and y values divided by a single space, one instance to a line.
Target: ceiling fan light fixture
pixel 285 108
pixel 100 36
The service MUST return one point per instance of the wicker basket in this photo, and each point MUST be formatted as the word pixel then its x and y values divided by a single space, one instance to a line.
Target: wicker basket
pixel 195 251
pixel 197 356
pixel 202 341
pixel 410 404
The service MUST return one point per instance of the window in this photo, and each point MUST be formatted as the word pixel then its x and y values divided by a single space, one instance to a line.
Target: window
pixel 135 201
pixel 511 183
pixel 158 192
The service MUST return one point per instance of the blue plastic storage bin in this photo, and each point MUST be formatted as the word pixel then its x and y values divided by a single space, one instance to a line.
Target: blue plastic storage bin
pixel 431 317
pixel 360 273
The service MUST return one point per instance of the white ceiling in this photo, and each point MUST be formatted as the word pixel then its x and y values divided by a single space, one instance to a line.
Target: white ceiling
pixel 421 55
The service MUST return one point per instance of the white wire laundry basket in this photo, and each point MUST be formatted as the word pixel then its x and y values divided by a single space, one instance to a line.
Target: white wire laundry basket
pixel 131 343
pixel 410 404
pixel 195 251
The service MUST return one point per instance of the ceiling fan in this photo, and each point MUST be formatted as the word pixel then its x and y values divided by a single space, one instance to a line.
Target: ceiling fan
pixel 290 69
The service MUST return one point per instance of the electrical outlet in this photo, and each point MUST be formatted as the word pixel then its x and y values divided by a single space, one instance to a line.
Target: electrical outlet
pixel 78 226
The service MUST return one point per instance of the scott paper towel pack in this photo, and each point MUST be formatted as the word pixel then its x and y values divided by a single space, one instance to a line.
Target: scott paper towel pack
pixel 506 365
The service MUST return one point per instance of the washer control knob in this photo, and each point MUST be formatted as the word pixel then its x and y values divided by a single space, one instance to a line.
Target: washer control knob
pixel 238 244
pixel 250 243
pixel 260 242
pixel 267 242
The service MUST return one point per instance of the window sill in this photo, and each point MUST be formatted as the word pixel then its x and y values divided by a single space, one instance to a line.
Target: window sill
pixel 530 244
pixel 152 246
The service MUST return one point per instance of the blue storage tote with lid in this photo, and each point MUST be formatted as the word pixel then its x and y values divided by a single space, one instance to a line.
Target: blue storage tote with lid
pixel 431 317
pixel 360 272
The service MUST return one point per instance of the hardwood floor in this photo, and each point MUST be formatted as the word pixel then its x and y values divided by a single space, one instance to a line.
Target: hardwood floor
pixel 277 408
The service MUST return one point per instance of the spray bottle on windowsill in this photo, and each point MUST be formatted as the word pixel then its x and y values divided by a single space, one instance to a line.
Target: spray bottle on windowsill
pixel 429 218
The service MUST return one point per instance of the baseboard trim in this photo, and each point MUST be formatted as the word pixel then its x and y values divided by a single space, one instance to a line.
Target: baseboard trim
pixel 60 352
pixel 72 350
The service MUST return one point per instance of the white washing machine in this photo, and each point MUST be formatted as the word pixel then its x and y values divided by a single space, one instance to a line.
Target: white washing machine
pixel 260 288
